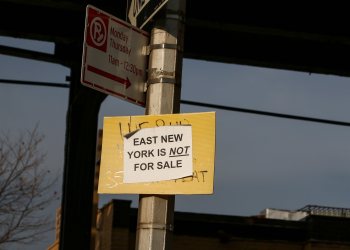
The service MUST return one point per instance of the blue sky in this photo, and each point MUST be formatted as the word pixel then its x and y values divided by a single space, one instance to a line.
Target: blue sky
pixel 261 162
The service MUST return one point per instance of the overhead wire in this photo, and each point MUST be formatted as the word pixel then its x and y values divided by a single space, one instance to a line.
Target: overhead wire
pixel 202 104
pixel 265 113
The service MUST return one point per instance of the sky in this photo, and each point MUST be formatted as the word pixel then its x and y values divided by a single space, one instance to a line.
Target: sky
pixel 261 161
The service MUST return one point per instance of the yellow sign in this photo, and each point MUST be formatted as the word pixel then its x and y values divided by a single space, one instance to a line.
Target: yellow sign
pixel 116 129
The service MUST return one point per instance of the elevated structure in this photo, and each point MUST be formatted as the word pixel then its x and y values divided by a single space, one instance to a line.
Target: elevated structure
pixel 289 35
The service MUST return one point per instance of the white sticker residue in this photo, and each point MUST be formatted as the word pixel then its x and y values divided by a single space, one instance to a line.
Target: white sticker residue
pixel 158 154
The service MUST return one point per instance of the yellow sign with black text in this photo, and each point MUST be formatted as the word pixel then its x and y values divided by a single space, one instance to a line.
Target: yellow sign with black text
pixel 158 154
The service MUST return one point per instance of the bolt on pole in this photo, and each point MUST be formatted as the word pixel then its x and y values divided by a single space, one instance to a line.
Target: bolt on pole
pixel 156 212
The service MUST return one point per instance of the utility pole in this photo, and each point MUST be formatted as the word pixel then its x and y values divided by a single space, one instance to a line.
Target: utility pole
pixel 156 212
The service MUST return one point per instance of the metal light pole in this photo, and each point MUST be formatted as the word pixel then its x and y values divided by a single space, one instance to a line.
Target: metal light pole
pixel 156 212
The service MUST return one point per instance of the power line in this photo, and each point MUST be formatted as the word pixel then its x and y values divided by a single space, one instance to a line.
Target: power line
pixel 202 104
pixel 257 112
pixel 46 84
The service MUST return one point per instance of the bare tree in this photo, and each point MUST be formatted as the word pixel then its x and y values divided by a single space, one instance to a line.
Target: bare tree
pixel 25 189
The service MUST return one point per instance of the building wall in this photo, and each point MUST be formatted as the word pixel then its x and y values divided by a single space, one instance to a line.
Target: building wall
pixel 123 238
pixel 185 242
pixel 190 243
pixel 116 230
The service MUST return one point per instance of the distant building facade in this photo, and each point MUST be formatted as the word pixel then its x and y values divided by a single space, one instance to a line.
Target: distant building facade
pixel 272 229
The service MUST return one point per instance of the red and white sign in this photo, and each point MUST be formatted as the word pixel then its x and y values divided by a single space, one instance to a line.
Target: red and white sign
pixel 114 59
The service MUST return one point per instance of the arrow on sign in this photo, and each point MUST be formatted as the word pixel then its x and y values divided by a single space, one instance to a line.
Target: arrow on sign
pixel 123 81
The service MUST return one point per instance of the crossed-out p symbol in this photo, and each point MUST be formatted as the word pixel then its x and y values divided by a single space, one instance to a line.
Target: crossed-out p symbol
pixel 97 30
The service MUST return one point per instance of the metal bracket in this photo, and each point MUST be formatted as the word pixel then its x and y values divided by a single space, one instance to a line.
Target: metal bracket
pixel 164 46
pixel 168 227
pixel 162 80
pixel 146 50
pixel 158 80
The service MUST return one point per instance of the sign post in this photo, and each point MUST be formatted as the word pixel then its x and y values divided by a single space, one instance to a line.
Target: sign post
pixel 156 212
